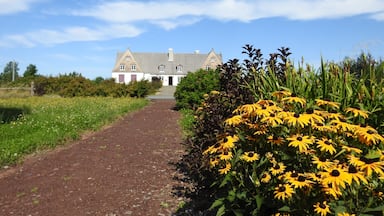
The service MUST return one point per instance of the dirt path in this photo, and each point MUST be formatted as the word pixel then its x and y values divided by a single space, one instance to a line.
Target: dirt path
pixel 122 170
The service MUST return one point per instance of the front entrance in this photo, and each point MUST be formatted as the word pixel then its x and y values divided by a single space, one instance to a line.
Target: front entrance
pixel 170 81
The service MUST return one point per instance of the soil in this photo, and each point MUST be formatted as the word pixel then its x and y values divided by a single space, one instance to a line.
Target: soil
pixel 124 169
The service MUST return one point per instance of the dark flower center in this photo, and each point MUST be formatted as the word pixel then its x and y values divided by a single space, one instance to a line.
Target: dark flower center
pixel 250 154
pixel 370 132
pixel 263 107
pixel 293 95
pixel 319 124
pixel 277 166
pixel 343 120
pixel 272 115
pixel 296 115
pixel 217 145
pixel 327 142
pixel 309 111
pixel 225 139
pixel 294 175
pixel 323 206
pixel 299 138
pixel 322 159
pixel 352 169
pixel 275 138
pixel 333 111
pixel 301 178
pixel 369 160
pixel 281 189
pixel 335 173
pixel 225 153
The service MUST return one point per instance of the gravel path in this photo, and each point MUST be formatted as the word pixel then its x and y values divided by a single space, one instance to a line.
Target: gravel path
pixel 125 169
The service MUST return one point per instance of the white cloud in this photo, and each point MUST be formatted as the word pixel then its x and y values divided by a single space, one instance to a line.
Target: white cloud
pixel 73 34
pixel 14 6
pixel 242 10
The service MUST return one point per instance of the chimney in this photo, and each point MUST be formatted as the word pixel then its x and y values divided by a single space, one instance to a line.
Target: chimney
pixel 170 54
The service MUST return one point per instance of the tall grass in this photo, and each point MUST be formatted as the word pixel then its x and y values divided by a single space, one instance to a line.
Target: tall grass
pixel 54 121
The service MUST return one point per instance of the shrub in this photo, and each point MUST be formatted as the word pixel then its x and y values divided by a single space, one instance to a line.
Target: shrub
pixel 290 155
pixel 191 89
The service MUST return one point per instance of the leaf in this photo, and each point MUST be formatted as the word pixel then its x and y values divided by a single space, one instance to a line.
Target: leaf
pixel 285 209
pixel 238 212
pixel 376 209
pixel 217 203
pixel 221 211
pixel 372 154
pixel 259 201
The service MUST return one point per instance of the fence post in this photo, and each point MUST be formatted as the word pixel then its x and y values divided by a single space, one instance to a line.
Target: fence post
pixel 32 88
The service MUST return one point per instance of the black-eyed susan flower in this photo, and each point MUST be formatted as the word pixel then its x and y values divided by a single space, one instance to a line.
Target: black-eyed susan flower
pixel 281 94
pixel 294 99
pixel 277 168
pixel 214 161
pixel 373 165
pixel 272 120
pixel 313 117
pixel 333 191
pixel 322 208
pixel 368 135
pixel 234 120
pixel 213 149
pixel 298 120
pixel 229 142
pixel 327 103
pixel 225 169
pixel 226 155
pixel 357 112
pixel 356 175
pixel 276 140
pixel 301 142
pixel 247 108
pixel 342 125
pixel 265 177
pixel 250 156
pixel 323 127
pixel 345 214
pixel 301 181
pixel 321 162
pixel 326 145
pixel 335 176
pixel 351 149
pixel 283 191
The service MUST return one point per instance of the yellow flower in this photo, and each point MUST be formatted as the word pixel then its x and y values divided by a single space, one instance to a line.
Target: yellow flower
pixel 357 112
pixel 281 94
pixel 313 117
pixel 326 145
pixel 225 169
pixel 214 161
pixel 356 175
pixel 327 103
pixel 332 190
pixel 352 149
pixel 247 108
pixel 323 127
pixel 301 142
pixel 277 168
pixel 234 120
pixel 368 135
pixel 298 119
pixel 275 140
pixel 226 155
pixel 213 149
pixel 265 177
pixel 272 120
pixel 250 156
pixel 372 165
pixel 214 92
pixel 345 214
pixel 341 124
pixel 335 176
pixel 321 163
pixel 301 182
pixel 322 208
pixel 283 192
pixel 294 99
pixel 229 142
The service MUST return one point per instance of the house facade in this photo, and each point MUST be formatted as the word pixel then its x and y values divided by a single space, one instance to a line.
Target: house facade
pixel 169 67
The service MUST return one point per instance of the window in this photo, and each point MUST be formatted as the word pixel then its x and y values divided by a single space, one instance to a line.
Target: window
pixel 207 67
pixel 179 68
pixel 133 67
pixel 122 67
pixel 133 77
pixel 121 78
pixel 161 68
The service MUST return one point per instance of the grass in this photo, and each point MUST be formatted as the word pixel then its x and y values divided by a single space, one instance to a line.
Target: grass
pixel 186 122
pixel 52 121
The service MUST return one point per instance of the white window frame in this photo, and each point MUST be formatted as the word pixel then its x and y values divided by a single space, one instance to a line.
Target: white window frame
pixel 122 67
pixel 161 68
pixel 133 67
pixel 179 68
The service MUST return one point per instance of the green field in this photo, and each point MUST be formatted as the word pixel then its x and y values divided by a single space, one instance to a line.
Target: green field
pixel 36 123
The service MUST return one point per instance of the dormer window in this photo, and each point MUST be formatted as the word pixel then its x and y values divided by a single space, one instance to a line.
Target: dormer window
pixel 207 67
pixel 133 67
pixel 122 67
pixel 161 68
pixel 179 68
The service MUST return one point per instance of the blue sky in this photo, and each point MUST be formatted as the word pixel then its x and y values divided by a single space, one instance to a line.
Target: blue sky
pixel 84 36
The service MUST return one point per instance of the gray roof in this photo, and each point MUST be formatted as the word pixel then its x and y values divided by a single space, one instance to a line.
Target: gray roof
pixel 149 62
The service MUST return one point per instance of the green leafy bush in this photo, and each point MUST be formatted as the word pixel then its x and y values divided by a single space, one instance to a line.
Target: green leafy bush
pixel 191 89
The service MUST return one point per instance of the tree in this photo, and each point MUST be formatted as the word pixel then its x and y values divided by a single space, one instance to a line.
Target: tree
pixel 31 71
pixel 8 75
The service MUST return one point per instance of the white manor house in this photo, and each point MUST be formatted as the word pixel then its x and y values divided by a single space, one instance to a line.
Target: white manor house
pixel 169 67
